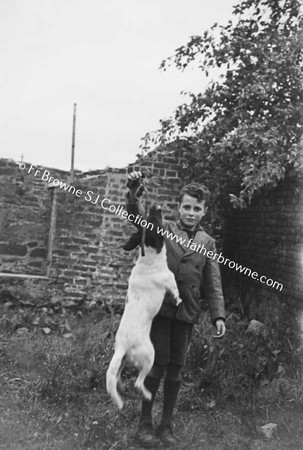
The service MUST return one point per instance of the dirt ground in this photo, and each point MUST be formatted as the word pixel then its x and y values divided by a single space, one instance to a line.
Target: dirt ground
pixel 33 430
pixel 30 425
pixel 88 420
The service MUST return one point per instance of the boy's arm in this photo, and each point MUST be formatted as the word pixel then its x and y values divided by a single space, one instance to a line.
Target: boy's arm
pixel 213 287
pixel 133 202
pixel 134 206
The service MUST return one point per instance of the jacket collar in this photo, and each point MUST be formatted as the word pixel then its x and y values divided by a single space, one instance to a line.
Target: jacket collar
pixel 179 229
pixel 181 225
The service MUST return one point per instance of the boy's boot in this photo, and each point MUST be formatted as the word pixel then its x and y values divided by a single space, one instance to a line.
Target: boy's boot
pixel 165 430
pixel 145 433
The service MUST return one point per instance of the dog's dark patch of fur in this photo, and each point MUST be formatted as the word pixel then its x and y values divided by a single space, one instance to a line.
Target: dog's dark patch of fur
pixel 152 238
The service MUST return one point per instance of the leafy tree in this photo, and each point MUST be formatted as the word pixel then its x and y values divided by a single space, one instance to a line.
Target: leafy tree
pixel 244 131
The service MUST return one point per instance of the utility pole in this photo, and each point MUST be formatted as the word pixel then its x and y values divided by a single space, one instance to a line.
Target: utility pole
pixel 73 144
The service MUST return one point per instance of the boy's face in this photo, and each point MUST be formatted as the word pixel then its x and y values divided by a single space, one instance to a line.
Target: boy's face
pixel 191 211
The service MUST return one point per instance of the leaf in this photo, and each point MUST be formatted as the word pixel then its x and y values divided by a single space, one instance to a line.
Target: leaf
pixel 7 305
pixel 26 303
pixel 46 330
pixel 69 303
pixel 67 325
pixel 55 299
pixel 68 335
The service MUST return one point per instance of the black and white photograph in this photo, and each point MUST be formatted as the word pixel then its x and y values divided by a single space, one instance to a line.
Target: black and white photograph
pixel 151 225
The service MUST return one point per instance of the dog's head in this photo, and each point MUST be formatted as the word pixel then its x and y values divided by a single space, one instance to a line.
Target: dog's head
pixel 152 238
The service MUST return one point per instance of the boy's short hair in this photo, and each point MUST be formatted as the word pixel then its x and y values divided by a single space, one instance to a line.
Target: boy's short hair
pixel 196 190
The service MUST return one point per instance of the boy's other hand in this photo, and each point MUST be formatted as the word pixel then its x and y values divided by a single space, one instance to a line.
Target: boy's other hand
pixel 221 329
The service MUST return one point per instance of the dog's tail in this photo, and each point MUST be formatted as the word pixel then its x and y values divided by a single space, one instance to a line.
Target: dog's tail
pixel 113 376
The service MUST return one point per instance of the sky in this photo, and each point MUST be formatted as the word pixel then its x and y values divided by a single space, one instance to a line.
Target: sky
pixel 105 57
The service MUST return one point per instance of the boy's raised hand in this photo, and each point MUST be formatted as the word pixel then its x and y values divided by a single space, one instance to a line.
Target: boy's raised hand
pixel 134 184
pixel 133 180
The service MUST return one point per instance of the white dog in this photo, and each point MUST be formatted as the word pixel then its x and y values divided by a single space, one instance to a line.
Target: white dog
pixel 150 279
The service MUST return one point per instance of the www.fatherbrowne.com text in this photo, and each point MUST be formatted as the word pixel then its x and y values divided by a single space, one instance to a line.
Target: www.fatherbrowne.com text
pixel 220 258
pixel 106 204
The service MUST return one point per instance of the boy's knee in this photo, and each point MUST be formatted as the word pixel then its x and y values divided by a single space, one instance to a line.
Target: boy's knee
pixel 173 372
pixel 157 371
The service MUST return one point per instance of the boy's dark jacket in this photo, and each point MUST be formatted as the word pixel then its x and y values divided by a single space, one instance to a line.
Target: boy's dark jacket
pixel 193 271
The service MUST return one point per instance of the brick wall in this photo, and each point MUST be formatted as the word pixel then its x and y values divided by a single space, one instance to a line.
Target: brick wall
pixel 25 207
pixel 267 237
pixel 87 259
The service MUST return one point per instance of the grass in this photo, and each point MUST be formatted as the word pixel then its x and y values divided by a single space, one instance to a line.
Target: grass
pixel 53 389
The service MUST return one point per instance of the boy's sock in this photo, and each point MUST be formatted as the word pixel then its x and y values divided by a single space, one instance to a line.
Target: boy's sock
pixel 152 384
pixel 171 389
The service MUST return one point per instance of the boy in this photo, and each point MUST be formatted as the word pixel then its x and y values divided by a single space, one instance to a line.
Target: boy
pixel 172 327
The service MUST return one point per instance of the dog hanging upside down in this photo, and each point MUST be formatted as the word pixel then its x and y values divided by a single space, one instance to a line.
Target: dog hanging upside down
pixel 149 280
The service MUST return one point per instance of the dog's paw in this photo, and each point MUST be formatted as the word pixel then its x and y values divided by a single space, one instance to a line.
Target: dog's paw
pixel 147 394
pixel 119 403
pixel 178 300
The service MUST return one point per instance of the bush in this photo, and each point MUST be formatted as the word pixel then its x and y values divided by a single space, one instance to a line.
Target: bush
pixel 251 366
pixel 81 365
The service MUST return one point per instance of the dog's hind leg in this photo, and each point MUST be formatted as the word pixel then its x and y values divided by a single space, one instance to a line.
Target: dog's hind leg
pixel 146 361
pixel 112 375
pixel 119 381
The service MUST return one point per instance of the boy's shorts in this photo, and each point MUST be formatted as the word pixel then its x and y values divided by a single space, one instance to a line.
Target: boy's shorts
pixel 171 338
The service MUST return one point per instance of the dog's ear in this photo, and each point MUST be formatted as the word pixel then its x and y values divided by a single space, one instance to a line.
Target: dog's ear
pixel 133 241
